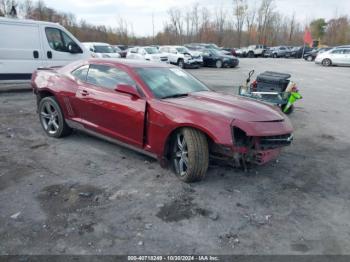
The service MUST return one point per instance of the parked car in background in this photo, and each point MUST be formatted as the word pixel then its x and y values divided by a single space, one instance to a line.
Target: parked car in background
pixel 181 56
pixel 161 111
pixel 242 52
pixel 335 56
pixel 212 57
pixel 311 55
pixel 101 50
pixel 148 53
pixel 255 50
pixel 26 45
pixel 277 51
pixel 230 51
pixel 121 52
pixel 204 46
pixel 298 51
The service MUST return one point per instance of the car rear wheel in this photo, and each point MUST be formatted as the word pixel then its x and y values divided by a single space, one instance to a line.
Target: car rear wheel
pixel 181 63
pixel 190 155
pixel 251 55
pixel 326 62
pixel 52 119
pixel 274 56
pixel 218 64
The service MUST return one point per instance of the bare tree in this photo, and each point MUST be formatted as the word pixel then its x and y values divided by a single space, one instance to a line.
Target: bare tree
pixel 195 20
pixel 240 11
pixel 265 17
pixel 220 22
pixel 291 28
pixel 250 21
pixel 176 22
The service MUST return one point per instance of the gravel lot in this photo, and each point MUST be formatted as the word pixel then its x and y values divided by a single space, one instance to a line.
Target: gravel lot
pixel 82 195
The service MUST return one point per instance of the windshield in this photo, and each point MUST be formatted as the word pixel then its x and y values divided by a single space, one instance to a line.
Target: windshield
pixel 103 49
pixel 182 50
pixel 151 50
pixel 116 49
pixel 168 82
pixel 216 52
pixel 211 46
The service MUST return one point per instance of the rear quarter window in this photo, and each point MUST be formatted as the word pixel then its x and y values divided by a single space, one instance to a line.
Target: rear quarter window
pixel 81 73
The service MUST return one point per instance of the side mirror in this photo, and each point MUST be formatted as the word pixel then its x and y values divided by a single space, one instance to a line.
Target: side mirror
pixel 127 89
pixel 73 48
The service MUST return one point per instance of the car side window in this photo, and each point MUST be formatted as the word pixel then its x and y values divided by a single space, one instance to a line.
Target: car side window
pixel 337 51
pixel 108 77
pixel 81 72
pixel 57 39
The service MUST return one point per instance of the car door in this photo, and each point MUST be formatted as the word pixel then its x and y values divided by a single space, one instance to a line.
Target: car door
pixel 55 44
pixel 109 112
pixel 337 56
pixel 207 58
pixel 346 56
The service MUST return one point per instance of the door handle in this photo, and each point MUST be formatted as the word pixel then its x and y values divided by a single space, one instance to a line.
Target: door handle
pixel 35 54
pixel 84 93
pixel 49 54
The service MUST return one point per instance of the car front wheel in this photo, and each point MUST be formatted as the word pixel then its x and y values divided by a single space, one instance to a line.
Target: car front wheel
pixel 52 119
pixel 190 155
pixel 326 62
pixel 181 63
pixel 309 58
pixel 218 64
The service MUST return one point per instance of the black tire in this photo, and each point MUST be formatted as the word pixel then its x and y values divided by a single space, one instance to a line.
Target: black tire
pixel 309 58
pixel 52 119
pixel 218 64
pixel 274 55
pixel 181 63
pixel 251 54
pixel 326 62
pixel 195 144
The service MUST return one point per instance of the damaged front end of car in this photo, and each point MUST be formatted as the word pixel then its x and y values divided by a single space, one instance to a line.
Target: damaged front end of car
pixel 262 144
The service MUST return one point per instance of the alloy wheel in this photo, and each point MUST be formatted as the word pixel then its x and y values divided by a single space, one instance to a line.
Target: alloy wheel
pixel 180 155
pixel 49 118
pixel 181 64
pixel 218 64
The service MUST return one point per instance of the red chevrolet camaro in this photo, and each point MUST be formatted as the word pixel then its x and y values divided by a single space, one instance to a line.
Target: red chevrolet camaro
pixel 159 110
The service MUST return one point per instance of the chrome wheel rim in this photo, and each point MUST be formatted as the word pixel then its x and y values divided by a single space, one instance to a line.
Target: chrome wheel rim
pixel 181 64
pixel 180 155
pixel 218 64
pixel 49 118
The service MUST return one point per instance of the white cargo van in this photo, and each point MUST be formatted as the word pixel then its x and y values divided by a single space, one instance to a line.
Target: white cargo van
pixel 26 45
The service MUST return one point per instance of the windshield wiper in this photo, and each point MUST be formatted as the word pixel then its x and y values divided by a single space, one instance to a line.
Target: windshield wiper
pixel 175 96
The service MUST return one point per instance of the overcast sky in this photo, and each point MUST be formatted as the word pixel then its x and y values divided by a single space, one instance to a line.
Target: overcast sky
pixel 139 12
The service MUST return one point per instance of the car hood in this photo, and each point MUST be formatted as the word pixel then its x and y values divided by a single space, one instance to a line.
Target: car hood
pixel 195 53
pixel 229 106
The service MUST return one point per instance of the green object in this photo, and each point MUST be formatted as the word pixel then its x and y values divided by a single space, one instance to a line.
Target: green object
pixel 294 96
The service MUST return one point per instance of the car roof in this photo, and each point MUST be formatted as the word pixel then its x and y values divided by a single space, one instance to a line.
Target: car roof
pixel 95 43
pixel 131 63
pixel 27 21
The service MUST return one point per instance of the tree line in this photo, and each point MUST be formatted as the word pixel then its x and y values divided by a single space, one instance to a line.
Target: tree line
pixel 237 26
